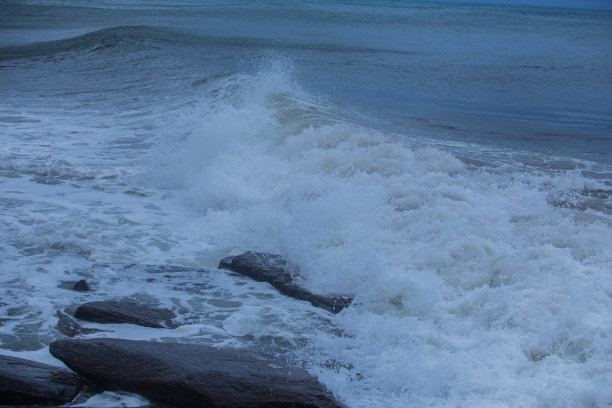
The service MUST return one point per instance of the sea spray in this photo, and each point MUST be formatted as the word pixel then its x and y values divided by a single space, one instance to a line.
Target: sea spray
pixel 464 279
pixel 448 165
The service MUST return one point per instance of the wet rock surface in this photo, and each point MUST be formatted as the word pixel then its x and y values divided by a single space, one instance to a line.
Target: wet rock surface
pixel 25 382
pixel 272 268
pixel 81 286
pixel 192 375
pixel 80 406
pixel 112 311
pixel 68 326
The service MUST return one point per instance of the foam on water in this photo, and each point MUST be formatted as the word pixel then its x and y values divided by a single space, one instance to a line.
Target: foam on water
pixel 482 285
pixel 471 289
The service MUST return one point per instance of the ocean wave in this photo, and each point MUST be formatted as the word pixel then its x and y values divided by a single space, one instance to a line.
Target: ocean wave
pixel 99 41
pixel 137 157
pixel 459 274
pixel 143 37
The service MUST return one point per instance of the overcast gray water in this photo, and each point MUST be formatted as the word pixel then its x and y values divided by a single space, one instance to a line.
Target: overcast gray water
pixel 449 165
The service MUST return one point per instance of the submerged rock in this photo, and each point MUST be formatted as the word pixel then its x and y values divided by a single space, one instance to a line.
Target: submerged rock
pixel 25 382
pixel 192 375
pixel 78 286
pixel 70 327
pixel 112 311
pixel 82 286
pixel 273 269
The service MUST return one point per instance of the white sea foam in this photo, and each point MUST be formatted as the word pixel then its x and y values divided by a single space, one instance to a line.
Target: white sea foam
pixel 114 399
pixel 479 260
pixel 474 286
pixel 470 288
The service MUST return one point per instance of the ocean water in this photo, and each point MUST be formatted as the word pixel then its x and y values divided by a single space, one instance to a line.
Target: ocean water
pixel 449 165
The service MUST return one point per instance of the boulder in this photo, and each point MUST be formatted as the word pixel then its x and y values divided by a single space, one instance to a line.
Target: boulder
pixel 70 327
pixel 82 286
pixel 25 382
pixel 192 375
pixel 271 268
pixel 111 311
pixel 80 406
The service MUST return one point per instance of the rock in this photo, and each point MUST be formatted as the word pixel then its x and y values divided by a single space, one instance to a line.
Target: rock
pixel 70 327
pixel 79 286
pixel 25 382
pixel 80 406
pixel 82 286
pixel 111 311
pixel 273 269
pixel 192 375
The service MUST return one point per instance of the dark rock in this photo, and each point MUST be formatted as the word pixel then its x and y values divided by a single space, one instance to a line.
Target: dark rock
pixel 81 286
pixel 70 327
pixel 80 406
pixel 273 269
pixel 47 180
pixel 126 312
pixel 25 382
pixel 192 375
pixel 136 193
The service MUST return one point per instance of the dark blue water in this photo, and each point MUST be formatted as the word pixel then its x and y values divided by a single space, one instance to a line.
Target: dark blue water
pixel 535 78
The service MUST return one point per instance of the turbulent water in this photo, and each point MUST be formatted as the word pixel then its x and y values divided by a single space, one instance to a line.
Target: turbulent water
pixel 449 165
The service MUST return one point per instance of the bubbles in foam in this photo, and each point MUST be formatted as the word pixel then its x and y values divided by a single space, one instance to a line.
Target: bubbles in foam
pixel 471 289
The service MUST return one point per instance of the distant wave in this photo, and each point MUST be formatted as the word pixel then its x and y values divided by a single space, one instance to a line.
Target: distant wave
pixel 97 41
pixel 129 38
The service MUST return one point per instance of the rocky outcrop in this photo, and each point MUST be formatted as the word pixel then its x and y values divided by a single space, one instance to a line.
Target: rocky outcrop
pixel 271 268
pixel 192 375
pixel 80 406
pixel 25 382
pixel 68 326
pixel 111 311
